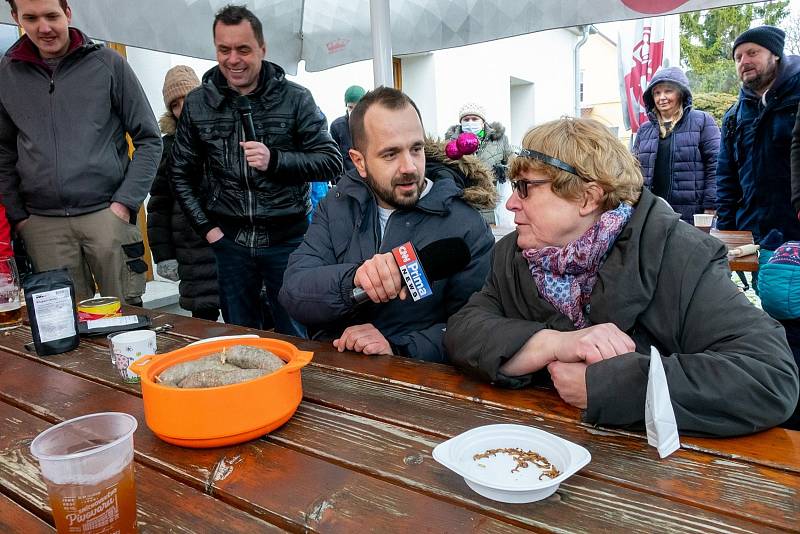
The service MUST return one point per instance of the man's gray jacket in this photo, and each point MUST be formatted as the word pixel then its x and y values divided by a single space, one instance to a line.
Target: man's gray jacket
pixel 63 150
pixel 345 232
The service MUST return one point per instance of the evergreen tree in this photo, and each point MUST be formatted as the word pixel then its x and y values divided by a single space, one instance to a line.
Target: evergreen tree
pixel 707 40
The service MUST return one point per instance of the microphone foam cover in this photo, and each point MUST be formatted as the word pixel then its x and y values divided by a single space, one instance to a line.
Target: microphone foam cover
pixel 444 258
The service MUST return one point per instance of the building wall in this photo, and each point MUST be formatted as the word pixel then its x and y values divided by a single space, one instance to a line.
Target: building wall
pixel 599 66
pixel 440 82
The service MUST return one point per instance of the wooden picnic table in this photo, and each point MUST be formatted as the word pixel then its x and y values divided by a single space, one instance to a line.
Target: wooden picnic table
pixel 737 238
pixel 357 454
pixel 731 238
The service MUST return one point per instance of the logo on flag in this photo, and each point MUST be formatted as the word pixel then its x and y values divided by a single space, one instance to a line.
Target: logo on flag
pixel 645 47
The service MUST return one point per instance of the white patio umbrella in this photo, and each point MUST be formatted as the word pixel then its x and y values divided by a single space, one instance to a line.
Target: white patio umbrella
pixel 328 33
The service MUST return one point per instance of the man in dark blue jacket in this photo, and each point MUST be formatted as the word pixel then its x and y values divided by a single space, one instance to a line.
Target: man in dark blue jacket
pixel 384 203
pixel 753 170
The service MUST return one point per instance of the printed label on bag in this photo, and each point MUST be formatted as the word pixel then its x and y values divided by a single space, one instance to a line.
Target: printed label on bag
pixel 54 314
pixel 112 321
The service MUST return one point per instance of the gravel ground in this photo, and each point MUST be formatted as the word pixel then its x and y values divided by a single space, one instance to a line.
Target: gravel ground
pixel 750 292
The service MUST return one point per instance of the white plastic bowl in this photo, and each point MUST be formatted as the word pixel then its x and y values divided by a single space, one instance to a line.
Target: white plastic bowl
pixel 492 477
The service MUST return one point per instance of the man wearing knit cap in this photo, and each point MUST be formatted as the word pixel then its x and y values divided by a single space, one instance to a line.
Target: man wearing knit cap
pixel 68 185
pixel 248 143
pixel 340 128
pixel 753 165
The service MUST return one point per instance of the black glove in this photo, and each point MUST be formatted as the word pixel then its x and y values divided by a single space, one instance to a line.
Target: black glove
pixel 500 172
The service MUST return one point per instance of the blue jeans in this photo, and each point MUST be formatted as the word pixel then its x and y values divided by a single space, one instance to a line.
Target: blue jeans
pixel 242 271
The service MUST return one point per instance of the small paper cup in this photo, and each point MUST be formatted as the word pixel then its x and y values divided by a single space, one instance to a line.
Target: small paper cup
pixel 128 347
pixel 703 221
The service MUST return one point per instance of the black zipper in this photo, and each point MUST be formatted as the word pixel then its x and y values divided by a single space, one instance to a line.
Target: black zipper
pixel 51 92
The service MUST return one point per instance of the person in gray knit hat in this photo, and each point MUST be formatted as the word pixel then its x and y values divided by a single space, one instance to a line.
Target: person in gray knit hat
pixel 180 253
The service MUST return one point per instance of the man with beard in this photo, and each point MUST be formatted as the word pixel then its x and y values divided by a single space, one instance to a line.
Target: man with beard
pixel 753 166
pixel 386 201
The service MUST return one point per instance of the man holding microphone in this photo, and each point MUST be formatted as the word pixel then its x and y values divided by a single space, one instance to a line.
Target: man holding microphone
pixel 344 282
pixel 240 167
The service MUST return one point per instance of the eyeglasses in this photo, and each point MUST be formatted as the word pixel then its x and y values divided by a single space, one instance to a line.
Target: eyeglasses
pixel 521 186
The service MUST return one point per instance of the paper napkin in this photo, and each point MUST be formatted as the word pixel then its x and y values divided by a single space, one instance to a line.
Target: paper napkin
pixel 659 417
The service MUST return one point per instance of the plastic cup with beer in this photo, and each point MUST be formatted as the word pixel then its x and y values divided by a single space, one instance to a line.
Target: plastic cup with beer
pixel 703 221
pixel 87 464
pixel 10 303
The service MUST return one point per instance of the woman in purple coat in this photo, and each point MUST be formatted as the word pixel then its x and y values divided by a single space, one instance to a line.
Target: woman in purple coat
pixel 678 147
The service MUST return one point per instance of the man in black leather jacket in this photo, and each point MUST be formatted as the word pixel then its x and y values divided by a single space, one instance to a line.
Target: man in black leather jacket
pixel 249 198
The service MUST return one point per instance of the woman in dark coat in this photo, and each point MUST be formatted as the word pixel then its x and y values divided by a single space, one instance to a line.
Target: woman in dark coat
pixel 180 253
pixel 598 273
pixel 678 147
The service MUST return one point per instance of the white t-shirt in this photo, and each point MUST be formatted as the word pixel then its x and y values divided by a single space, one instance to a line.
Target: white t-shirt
pixel 385 213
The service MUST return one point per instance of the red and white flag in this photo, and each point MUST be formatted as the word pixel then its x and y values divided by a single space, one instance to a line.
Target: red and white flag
pixel 644 46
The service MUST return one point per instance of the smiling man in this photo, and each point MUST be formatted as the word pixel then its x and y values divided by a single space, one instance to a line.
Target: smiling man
pixel 66 181
pixel 249 197
pixel 753 169
pixel 386 201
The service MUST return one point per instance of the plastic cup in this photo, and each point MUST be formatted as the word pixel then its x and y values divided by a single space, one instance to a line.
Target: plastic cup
pixel 87 464
pixel 703 221
pixel 10 302
pixel 127 347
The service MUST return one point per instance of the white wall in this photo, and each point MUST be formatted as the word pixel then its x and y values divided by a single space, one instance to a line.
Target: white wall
pixel 484 73
pixel 419 82
pixel 440 82
pixel 151 67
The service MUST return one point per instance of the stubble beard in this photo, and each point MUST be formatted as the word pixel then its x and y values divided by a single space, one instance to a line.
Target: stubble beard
pixel 763 80
pixel 390 195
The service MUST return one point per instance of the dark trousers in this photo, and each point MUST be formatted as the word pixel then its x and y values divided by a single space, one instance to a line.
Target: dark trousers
pixel 242 272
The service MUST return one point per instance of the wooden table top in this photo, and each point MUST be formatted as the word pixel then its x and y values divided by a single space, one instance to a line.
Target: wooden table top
pixel 357 455
pixel 733 239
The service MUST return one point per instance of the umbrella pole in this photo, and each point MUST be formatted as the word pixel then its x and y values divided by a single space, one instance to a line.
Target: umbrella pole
pixel 381 43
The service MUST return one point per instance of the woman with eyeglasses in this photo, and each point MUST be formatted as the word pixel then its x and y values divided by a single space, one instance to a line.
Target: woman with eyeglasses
pixel 598 271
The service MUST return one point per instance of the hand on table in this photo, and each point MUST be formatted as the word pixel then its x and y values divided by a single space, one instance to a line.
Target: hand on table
pixel 380 278
pixel 569 380
pixel 363 338
pixel 589 345
pixel 592 344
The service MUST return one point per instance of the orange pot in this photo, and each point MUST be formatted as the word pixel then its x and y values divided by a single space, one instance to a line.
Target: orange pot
pixel 225 415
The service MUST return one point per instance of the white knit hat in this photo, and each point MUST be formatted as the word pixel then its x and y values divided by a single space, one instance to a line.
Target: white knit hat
pixel 471 108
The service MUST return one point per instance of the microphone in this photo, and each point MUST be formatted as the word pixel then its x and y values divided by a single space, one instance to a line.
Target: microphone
pixel 243 106
pixel 436 261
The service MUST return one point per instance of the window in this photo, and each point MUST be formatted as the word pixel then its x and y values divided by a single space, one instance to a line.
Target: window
pixel 8 36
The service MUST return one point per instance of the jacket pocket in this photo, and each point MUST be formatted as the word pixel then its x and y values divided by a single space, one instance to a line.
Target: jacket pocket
pixel 276 133
pixel 217 139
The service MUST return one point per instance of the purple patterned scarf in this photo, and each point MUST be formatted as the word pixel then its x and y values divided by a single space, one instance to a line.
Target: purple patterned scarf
pixel 566 276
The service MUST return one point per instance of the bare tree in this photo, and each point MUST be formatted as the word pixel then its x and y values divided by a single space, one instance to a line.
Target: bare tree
pixel 792 27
